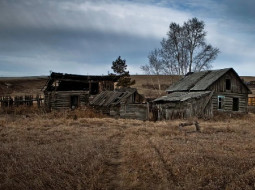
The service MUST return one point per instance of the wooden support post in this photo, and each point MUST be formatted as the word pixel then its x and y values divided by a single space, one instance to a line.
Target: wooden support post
pixel 89 87
pixel 189 124
pixel 197 126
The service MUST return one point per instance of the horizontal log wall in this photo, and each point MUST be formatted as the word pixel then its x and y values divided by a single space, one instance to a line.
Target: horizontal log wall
pixel 228 101
pixel 187 109
pixel 62 99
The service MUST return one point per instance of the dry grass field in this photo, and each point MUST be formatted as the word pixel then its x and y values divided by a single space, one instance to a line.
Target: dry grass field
pixel 68 150
pixel 16 86
pixel 153 86
pixel 84 150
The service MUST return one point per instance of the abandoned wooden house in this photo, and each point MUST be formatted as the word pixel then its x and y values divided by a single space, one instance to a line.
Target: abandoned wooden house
pixel 201 94
pixel 72 91
pixel 124 103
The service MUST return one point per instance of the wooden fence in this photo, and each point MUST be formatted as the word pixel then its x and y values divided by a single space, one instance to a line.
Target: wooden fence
pixel 251 101
pixel 27 100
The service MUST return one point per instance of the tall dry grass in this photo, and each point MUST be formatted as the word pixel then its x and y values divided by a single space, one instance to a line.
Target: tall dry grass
pixel 68 150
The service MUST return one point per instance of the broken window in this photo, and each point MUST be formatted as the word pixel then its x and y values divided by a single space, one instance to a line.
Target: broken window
pixel 235 104
pixel 228 84
pixel 221 102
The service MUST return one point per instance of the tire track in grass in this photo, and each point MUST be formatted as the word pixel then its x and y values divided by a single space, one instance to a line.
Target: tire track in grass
pixel 170 174
pixel 171 177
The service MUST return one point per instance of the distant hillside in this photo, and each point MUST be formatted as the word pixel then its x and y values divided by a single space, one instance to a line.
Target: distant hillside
pixel 22 85
pixel 151 86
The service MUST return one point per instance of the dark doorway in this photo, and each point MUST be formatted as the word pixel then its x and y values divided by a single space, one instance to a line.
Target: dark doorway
pixel 235 104
pixel 74 102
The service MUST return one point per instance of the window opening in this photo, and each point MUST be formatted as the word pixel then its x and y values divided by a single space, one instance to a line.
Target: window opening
pixel 228 84
pixel 221 102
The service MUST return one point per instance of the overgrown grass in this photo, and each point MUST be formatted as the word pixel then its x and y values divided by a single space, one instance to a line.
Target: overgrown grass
pixel 69 150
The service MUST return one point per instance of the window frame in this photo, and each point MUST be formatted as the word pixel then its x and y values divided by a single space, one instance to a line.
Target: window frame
pixel 221 100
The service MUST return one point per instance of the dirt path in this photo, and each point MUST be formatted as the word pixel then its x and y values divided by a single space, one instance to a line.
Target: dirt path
pixel 111 178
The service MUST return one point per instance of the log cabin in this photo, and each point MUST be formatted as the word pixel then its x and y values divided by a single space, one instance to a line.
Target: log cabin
pixel 73 91
pixel 201 94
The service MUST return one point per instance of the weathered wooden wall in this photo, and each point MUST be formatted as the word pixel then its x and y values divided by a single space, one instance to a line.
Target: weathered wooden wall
pixel 131 108
pixel 62 99
pixel 236 85
pixel 228 101
pixel 134 111
pixel 238 90
pixel 201 107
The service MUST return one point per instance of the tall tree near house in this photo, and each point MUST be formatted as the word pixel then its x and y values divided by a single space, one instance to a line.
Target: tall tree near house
pixel 184 50
pixel 119 67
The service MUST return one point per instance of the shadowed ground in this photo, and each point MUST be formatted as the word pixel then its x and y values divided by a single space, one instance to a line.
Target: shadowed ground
pixel 58 151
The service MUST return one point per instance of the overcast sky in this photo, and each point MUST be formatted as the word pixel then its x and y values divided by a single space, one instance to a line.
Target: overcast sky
pixel 84 37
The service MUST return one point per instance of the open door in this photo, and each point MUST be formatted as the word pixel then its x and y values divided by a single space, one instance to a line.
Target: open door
pixel 235 104
pixel 74 102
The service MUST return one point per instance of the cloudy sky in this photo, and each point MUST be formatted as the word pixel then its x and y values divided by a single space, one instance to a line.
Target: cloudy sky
pixel 85 36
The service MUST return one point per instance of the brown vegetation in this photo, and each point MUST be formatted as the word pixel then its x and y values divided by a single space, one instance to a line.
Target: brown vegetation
pixel 68 150
pixel 153 86
pixel 16 86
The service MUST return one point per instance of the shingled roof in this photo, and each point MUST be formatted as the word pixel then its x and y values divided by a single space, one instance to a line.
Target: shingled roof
pixel 199 81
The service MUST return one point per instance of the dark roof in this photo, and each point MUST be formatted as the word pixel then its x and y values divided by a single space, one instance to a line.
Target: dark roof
pixel 108 98
pixel 75 80
pixel 181 96
pixel 198 81
pixel 65 76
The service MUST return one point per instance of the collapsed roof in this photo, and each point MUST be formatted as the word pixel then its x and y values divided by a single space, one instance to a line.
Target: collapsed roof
pixel 108 98
pixel 74 82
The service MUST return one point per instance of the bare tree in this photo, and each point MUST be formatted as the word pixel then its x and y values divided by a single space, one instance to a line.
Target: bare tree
pixel 155 67
pixel 184 50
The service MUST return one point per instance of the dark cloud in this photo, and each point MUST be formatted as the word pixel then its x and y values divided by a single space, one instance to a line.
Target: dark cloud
pixel 36 34
pixel 83 47
pixel 241 10
pixel 86 36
